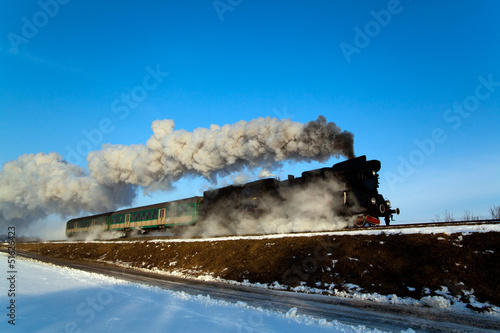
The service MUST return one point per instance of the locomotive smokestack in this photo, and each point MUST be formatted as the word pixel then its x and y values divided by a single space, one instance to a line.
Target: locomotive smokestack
pixel 34 186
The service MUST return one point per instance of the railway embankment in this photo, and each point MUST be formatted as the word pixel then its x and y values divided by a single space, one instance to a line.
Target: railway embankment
pixel 450 268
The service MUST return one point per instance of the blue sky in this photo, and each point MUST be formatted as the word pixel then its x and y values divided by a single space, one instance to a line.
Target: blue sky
pixel 417 82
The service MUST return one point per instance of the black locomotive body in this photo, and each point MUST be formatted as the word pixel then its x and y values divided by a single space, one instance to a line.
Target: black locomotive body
pixel 353 185
pixel 350 186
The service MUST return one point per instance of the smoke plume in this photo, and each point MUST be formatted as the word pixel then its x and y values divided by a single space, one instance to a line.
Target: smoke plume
pixel 34 186
pixel 171 154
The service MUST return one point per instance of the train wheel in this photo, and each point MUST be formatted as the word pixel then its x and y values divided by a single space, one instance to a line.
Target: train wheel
pixel 361 221
pixel 387 220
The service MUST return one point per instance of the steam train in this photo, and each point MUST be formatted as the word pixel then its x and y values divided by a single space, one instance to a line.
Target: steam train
pixel 354 193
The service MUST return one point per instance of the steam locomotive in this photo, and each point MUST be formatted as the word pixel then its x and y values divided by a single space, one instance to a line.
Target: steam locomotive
pixel 352 185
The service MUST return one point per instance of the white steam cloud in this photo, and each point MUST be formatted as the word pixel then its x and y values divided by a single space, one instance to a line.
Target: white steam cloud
pixel 171 154
pixel 304 209
pixel 35 186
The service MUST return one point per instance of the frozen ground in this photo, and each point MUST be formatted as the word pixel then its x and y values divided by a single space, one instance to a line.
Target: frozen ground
pixel 54 299
pixel 50 298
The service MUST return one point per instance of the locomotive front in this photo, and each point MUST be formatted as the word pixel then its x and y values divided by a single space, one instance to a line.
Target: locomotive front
pixel 361 197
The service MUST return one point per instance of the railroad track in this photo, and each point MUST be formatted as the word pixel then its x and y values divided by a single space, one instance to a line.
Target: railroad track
pixel 438 224
pixel 161 235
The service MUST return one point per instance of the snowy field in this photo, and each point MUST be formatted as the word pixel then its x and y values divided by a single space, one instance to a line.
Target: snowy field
pixel 53 299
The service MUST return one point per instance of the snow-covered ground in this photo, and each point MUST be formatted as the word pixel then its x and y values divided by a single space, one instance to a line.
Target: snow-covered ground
pixel 50 298
pixel 54 299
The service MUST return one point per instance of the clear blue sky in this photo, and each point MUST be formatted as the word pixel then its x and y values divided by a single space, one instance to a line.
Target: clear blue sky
pixel 390 72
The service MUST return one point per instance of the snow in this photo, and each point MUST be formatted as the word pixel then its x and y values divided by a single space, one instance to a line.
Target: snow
pixel 56 299
pixel 445 301
pixel 436 302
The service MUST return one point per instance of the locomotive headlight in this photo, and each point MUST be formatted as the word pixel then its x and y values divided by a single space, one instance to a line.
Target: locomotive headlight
pixel 373 201
pixel 388 203
pixel 374 173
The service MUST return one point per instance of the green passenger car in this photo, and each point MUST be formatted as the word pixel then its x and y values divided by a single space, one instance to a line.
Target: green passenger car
pixel 182 212
pixel 83 225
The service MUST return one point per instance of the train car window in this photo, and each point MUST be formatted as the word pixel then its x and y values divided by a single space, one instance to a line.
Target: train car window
pixel 148 216
pixel 155 215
